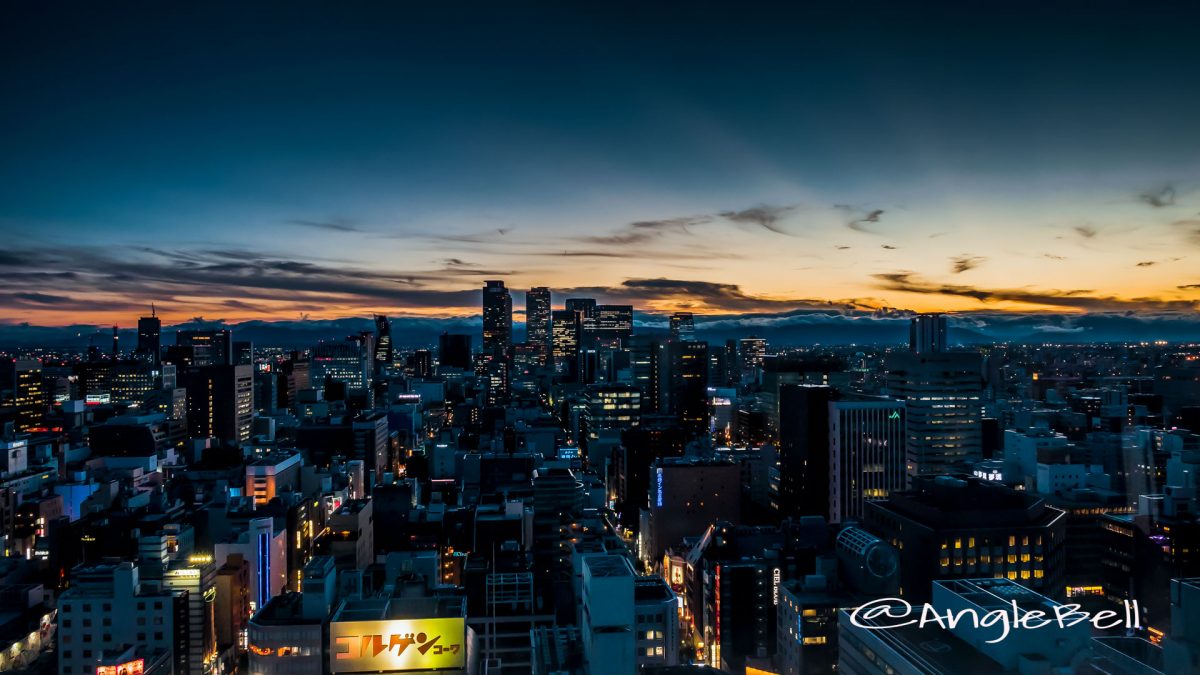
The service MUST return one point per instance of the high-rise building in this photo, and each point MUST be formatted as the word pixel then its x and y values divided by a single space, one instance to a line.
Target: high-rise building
pixel 804 450
pixel 454 351
pixel 497 319
pixel 683 326
pixel 927 334
pixel 196 578
pixel 648 371
pixel 566 329
pixel 613 324
pixel 751 351
pixel 149 342
pixel 943 395
pixel 209 347
pixel 348 362
pixel 21 382
pixel 585 306
pixel 243 353
pixel 537 321
pixel 220 402
pixel 866 453
pixel 383 343
pixel 689 385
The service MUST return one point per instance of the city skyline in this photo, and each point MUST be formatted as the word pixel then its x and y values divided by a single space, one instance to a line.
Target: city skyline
pixel 807 161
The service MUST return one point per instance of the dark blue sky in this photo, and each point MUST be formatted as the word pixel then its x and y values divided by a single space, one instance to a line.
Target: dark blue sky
pixel 390 139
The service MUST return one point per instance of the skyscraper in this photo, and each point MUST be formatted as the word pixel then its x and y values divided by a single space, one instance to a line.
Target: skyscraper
pixel 943 392
pixel 927 333
pixel 750 356
pixel 383 343
pixel 683 326
pixel 497 319
pixel 454 351
pixel 537 321
pixel 804 450
pixel 22 380
pixel 565 330
pixel 689 385
pixel 209 347
pixel 220 402
pixel 866 453
pixel 149 343
pixel 614 324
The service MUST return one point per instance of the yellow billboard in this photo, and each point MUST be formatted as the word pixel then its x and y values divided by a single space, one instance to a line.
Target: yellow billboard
pixel 397 645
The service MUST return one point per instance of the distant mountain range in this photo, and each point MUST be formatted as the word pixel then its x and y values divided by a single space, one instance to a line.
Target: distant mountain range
pixel 796 328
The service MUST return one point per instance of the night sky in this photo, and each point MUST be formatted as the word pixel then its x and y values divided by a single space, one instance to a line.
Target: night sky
pixel 261 161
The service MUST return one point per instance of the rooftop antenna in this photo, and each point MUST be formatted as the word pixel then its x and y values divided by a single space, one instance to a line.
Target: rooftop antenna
pixel 152 312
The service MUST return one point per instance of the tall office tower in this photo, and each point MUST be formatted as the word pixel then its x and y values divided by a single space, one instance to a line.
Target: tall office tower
pixel 421 363
pixel 243 353
pixel 383 343
pixel 497 320
pixel 866 453
pixel 537 321
pixel 149 344
pixel 454 351
pixel 585 306
pixel 116 348
pixel 209 347
pixel 648 371
pixel 21 383
pixel 971 529
pixel 565 330
pixel 927 333
pixel 804 450
pixel 613 324
pixel 197 579
pixel 689 386
pixel 751 351
pixel 347 362
pixel 732 372
pixel 220 402
pixel 611 406
pixel 943 395
pixel 683 326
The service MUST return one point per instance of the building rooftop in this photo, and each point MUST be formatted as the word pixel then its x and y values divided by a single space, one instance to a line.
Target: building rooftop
pixel 376 609
pixel 609 566
pixel 932 649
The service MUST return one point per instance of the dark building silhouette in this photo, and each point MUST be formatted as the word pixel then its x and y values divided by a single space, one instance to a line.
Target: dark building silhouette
pixel 220 401
pixel 209 347
pixel 804 450
pixel 149 341
pixel 383 343
pixel 537 321
pixel 454 351
pixel 689 385
pixel 497 319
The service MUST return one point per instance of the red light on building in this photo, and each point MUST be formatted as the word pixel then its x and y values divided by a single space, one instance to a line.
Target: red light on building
pixel 135 667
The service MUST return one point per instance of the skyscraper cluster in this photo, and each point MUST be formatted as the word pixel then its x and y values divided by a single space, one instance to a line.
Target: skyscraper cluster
pixel 590 495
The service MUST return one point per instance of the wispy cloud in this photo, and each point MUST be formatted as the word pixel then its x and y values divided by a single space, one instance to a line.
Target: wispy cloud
pixel 333 224
pixel 1159 198
pixel 1086 300
pixel 965 262
pixel 859 219
pixel 764 216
